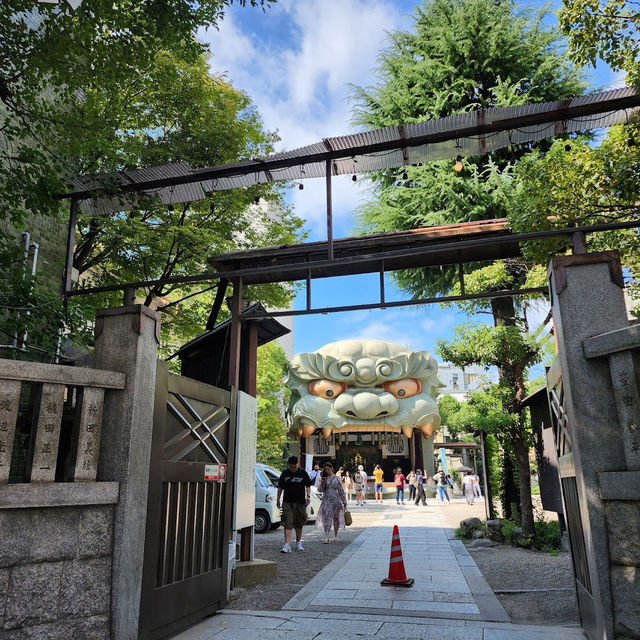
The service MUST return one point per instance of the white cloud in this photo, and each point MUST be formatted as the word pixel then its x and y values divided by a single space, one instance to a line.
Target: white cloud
pixel 300 83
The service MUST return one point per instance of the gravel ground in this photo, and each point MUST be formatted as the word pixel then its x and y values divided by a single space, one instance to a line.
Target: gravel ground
pixel 508 568
pixel 297 568
pixel 504 567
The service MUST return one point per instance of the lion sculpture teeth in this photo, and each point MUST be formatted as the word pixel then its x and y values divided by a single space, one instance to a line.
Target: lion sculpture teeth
pixel 353 385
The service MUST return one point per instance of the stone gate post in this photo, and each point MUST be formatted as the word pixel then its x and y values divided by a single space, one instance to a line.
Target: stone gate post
pixel 126 340
pixel 587 302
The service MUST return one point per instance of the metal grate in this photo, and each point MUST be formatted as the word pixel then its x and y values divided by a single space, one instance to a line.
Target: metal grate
pixel 190 541
pixel 576 532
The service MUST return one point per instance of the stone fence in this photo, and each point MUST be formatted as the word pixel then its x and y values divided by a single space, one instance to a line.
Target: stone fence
pixel 56 521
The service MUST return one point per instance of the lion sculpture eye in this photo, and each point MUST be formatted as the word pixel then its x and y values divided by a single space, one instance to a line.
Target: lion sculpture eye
pixel 403 388
pixel 326 388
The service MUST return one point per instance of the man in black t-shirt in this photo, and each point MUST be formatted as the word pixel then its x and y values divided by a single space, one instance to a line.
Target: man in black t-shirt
pixel 296 485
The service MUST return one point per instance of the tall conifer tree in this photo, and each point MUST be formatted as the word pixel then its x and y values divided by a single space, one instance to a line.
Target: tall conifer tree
pixel 463 55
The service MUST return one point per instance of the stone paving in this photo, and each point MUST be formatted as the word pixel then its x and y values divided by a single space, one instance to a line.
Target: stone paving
pixel 450 599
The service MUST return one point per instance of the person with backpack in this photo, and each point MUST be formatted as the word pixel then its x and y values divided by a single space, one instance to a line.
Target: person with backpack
pixel 442 485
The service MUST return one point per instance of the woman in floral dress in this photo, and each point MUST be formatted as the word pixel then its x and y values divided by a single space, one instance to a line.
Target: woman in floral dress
pixel 334 502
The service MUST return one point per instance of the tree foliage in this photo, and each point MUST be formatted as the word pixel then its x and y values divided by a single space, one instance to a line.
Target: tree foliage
pixel 461 55
pixel 498 409
pixel 272 398
pixel 576 184
pixel 607 29
pixel 118 85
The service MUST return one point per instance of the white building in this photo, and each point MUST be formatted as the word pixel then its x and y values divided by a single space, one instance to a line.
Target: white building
pixel 459 381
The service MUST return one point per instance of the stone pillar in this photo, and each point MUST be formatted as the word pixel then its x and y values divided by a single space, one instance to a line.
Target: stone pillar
pixel 427 455
pixel 126 340
pixel 587 300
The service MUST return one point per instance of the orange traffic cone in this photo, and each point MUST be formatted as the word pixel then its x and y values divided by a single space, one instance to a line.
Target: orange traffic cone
pixel 397 576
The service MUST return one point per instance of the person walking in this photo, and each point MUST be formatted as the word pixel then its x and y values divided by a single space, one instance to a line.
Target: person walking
pixel 399 480
pixel 420 495
pixel 334 502
pixel 315 475
pixel 294 482
pixel 476 486
pixel 412 481
pixel 467 485
pixel 442 484
pixel 357 478
pixel 348 486
pixel 363 475
pixel 378 486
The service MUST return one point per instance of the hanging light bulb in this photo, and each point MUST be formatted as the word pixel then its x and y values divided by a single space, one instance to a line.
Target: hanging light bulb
pixel 301 186
pixel 354 177
pixel 458 165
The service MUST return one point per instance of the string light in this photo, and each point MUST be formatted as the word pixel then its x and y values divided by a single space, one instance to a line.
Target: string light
pixel 458 165
pixel 354 177
pixel 301 186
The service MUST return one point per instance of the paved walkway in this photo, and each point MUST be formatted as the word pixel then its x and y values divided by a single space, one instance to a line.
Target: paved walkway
pixel 450 599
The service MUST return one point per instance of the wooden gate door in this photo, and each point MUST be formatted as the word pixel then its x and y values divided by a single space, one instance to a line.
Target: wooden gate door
pixel 570 499
pixel 188 518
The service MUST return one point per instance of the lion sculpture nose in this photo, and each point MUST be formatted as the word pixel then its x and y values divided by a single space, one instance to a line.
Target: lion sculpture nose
pixel 366 405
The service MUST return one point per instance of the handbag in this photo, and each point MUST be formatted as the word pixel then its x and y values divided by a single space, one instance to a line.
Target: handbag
pixel 348 520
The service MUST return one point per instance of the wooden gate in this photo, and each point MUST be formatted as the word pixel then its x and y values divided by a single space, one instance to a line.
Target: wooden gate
pixel 571 503
pixel 188 519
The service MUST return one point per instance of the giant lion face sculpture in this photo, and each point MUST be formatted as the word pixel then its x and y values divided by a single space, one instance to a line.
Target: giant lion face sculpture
pixel 356 385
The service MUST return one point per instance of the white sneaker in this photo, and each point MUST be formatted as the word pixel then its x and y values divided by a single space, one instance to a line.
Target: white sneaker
pixel 299 546
pixel 286 548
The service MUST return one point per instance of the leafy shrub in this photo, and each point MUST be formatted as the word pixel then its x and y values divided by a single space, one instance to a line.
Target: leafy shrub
pixel 548 535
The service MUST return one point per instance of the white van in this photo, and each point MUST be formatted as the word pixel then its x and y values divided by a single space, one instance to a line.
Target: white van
pixel 267 514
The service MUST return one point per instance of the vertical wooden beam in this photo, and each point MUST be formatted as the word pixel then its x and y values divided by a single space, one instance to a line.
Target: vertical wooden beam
pixel 71 244
pixel 217 303
pixel 236 334
pixel 329 211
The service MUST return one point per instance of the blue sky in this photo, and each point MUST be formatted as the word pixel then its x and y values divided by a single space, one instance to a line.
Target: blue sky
pixel 297 60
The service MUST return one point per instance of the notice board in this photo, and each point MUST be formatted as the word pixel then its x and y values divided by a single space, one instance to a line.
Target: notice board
pixel 245 467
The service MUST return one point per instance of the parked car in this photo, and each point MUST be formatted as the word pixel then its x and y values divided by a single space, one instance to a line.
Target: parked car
pixel 267 514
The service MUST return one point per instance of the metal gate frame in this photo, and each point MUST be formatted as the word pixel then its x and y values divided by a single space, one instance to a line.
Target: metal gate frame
pixel 570 499
pixel 189 520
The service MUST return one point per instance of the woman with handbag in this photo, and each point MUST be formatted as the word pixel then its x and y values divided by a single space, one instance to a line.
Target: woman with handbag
pixel 333 505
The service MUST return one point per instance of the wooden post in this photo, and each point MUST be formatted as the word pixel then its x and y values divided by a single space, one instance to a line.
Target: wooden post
pixel 249 369
pixel 236 334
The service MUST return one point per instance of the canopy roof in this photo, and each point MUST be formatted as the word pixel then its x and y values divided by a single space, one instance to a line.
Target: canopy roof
pixel 467 134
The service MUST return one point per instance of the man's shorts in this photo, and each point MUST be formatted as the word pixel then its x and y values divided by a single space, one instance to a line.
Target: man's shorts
pixel 294 515
pixel 379 487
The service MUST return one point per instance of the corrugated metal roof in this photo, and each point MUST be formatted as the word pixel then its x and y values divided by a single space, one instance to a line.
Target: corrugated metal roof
pixel 468 134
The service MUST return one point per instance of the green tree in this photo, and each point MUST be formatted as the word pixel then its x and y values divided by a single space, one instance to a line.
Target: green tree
pixel 576 184
pixel 185 112
pixel 461 55
pixel 272 398
pixel 607 29
pixel 514 351
pixel 122 85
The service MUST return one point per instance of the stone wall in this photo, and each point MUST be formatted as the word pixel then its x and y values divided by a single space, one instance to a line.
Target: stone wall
pixel 621 493
pixel 55 566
